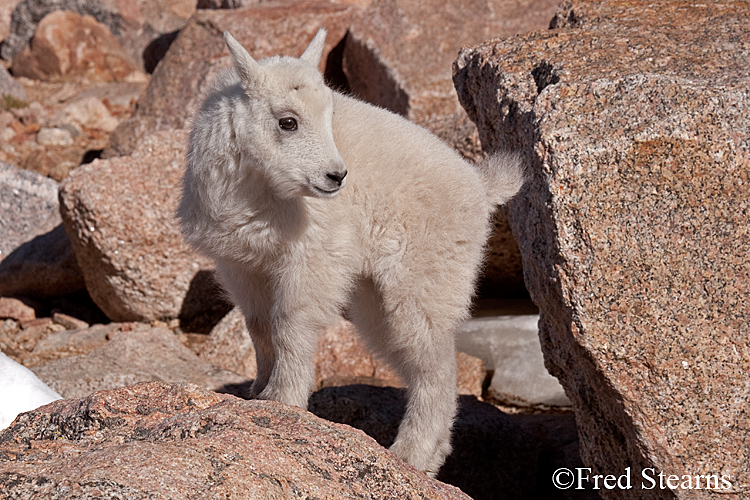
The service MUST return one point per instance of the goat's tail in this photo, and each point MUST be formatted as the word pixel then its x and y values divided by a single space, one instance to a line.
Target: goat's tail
pixel 503 175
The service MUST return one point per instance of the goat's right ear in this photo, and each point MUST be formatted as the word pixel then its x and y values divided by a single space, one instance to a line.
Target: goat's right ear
pixel 247 68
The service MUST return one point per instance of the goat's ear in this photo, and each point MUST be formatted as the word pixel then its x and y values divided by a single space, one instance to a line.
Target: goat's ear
pixel 247 68
pixel 314 51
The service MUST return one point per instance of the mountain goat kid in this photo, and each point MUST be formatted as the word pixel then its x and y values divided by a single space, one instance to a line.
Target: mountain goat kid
pixel 312 203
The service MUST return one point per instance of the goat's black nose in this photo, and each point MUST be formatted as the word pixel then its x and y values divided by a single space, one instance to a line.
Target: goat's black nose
pixel 337 177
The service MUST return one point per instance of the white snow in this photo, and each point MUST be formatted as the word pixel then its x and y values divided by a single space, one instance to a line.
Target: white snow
pixel 20 391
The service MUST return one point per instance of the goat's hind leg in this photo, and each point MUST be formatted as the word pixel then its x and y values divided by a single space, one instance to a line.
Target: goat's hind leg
pixel 421 348
pixel 428 366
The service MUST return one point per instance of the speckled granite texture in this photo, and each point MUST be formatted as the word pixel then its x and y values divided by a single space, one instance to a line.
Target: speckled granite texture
pixel 634 227
pixel 162 441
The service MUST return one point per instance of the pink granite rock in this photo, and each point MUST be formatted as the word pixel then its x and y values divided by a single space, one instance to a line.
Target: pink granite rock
pixel 11 308
pixel 119 215
pixel 633 227
pixel 6 8
pixel 44 341
pixel 177 441
pixel 137 24
pixel 398 55
pixel 68 46
pixel 124 356
pixel 229 345
pixel 341 357
pixel 199 53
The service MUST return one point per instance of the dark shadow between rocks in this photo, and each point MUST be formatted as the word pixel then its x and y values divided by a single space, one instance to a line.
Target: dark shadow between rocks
pixel 334 73
pixel 375 410
pixel 205 304
pixel 157 49
pixel 43 267
pixel 495 455
pixel 91 155
pixel 240 390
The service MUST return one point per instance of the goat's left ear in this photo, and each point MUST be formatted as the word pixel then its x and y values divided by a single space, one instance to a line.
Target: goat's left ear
pixel 314 51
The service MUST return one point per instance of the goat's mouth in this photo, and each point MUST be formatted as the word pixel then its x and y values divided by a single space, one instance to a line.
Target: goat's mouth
pixel 324 193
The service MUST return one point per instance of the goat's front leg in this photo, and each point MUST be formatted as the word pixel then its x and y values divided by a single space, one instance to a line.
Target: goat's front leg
pixel 294 339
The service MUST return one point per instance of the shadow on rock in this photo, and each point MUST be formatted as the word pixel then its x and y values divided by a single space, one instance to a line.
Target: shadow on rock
pixel 492 456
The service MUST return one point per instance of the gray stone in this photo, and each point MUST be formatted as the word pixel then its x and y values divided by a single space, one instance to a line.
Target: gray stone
pixel 36 258
pixel 633 226
pixel 10 87
pixel 28 206
pixel 509 345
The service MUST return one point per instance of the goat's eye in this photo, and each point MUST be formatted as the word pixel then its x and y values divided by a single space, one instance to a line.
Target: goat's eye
pixel 288 124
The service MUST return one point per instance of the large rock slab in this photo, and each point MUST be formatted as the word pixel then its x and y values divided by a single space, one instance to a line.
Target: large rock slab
pixel 36 257
pixel 398 55
pixel 199 53
pixel 125 356
pixel 119 215
pixel 633 227
pixel 136 24
pixel 179 442
pixel 70 47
